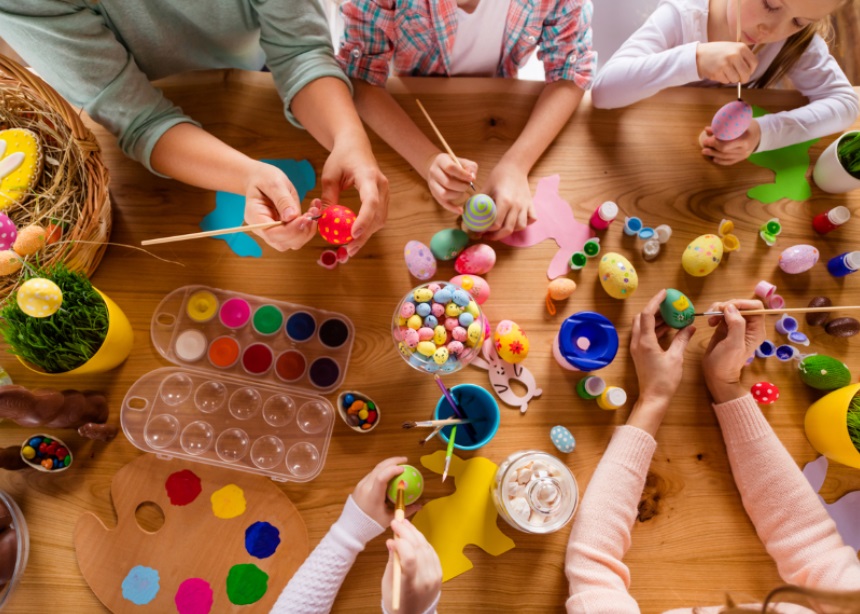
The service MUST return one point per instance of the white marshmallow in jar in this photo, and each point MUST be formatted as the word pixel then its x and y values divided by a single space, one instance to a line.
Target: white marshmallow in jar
pixel 438 327
pixel 535 492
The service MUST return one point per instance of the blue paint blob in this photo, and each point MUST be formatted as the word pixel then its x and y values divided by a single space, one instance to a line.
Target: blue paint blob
pixel 301 326
pixel 262 539
pixel 140 585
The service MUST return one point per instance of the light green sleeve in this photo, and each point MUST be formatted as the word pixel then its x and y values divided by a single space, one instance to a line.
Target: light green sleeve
pixel 297 43
pixel 70 47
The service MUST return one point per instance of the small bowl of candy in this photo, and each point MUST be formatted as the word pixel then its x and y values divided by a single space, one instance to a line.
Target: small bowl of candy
pixel 358 411
pixel 46 453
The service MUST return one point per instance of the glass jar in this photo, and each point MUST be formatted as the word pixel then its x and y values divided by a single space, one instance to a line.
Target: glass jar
pixel 535 492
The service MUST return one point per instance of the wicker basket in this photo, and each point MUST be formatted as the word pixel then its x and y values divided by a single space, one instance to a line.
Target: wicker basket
pixel 73 188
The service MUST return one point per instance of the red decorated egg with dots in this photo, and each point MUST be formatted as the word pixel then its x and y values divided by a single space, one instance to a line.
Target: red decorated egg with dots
pixel 765 393
pixel 335 225
pixel 732 120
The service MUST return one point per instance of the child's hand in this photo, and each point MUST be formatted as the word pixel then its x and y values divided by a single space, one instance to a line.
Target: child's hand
pixel 725 62
pixel 370 493
pixel 270 196
pixel 659 371
pixel 422 571
pixel 735 339
pixel 448 182
pixel 727 153
pixel 509 188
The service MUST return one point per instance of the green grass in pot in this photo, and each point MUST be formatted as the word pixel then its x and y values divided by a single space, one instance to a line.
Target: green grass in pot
pixel 848 152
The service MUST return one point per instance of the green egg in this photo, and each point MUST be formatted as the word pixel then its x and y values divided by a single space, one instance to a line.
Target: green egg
pixel 677 310
pixel 414 485
pixel 447 243
pixel 823 372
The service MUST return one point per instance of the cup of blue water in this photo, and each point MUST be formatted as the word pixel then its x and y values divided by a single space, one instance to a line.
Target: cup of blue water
pixel 479 406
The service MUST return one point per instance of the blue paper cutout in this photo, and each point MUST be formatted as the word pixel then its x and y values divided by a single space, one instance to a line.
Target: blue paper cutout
pixel 230 208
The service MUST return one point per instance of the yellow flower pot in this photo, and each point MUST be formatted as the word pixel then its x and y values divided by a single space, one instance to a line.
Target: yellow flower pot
pixel 114 349
pixel 827 428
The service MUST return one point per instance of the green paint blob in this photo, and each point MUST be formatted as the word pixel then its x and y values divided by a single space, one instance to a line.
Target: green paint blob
pixel 246 584
pixel 268 320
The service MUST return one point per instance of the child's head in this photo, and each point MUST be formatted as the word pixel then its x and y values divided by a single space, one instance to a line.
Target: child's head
pixel 771 21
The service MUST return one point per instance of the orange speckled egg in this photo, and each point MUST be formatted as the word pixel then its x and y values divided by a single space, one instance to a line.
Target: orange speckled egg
pixel 10 262
pixel 30 240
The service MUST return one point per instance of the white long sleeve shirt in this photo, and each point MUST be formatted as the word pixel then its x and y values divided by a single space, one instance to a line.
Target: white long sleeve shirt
pixel 662 53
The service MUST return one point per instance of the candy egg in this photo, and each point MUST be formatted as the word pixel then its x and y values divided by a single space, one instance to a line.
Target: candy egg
pixel 10 262
pixel 39 298
pixel 676 309
pixel 842 327
pixel 30 240
pixel 479 213
pixel 335 224
pixel 511 342
pixel 414 482
pixel 732 120
pixel 765 393
pixel 562 439
pixel 475 260
pixel 474 285
pixel 818 318
pixel 8 232
pixel 448 242
pixel 617 276
pixel 798 258
pixel 419 261
pixel 702 255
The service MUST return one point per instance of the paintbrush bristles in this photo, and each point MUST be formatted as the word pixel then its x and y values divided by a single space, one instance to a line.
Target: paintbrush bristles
pixel 433 423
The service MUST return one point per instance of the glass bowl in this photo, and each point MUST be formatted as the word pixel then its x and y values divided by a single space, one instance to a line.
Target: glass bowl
pixel 22 549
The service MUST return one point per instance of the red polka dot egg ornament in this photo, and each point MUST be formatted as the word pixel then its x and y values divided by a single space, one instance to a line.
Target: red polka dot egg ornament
pixel 765 393
pixel 335 224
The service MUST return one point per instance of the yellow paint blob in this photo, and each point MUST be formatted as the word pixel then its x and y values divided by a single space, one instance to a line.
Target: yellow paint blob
pixel 201 306
pixel 228 502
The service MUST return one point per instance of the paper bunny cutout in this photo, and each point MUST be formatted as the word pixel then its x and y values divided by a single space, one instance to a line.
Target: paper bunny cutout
pixel 501 373
pixel 554 221
pixel 843 510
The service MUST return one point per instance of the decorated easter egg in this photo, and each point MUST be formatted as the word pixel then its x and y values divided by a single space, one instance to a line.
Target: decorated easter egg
pixel 702 255
pixel 8 232
pixel 617 276
pixel 511 342
pixel 10 262
pixel 448 242
pixel 20 164
pixel 39 298
pixel 732 120
pixel 335 224
pixel 474 285
pixel 798 258
pixel 765 393
pixel 476 259
pixel 419 261
pixel 479 213
pixel 562 439
pixel 676 309
pixel 30 240
pixel 54 233
pixel 823 372
pixel 414 485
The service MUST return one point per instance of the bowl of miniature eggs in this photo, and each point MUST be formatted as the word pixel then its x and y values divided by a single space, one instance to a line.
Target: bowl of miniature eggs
pixel 358 411
pixel 438 327
pixel 46 453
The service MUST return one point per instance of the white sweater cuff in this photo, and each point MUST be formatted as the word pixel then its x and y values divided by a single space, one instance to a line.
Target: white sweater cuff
pixel 354 528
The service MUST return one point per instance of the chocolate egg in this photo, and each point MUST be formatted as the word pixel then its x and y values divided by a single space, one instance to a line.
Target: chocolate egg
pixel 414 482
pixel 617 276
pixel 702 255
pixel 8 232
pixel 448 242
pixel 475 260
pixel 798 258
pixel 479 213
pixel 511 342
pixel 335 224
pixel 676 309
pixel 842 327
pixel 732 120
pixel 474 285
pixel 818 318
pixel 419 260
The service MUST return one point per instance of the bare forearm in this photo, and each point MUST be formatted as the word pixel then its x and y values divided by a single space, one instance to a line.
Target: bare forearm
pixel 648 414
pixel 325 109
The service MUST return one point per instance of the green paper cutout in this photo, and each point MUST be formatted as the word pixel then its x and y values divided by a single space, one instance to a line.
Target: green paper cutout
pixel 789 164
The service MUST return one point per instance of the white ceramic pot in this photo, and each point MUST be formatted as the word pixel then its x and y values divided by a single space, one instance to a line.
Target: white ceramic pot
pixel 830 175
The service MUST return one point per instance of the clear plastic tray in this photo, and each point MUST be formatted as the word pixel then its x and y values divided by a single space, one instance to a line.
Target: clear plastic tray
pixel 247 336
pixel 279 432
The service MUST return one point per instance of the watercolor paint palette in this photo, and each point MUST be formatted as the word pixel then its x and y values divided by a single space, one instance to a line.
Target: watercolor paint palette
pixel 279 432
pixel 247 336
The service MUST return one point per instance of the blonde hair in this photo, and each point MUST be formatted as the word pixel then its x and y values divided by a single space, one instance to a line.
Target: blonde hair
pixel 820 601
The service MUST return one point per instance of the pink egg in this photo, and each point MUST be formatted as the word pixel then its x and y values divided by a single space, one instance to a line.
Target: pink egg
pixel 459 333
pixel 437 309
pixel 407 310
pixel 732 120
pixel 419 260
pixel 8 232
pixel 798 258
pixel 425 333
pixel 475 260
pixel 451 323
pixel 474 285
pixel 335 224
pixel 455 348
pixel 410 337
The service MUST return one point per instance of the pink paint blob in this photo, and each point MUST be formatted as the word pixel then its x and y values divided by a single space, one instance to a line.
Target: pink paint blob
pixel 182 487
pixel 235 313
pixel 194 596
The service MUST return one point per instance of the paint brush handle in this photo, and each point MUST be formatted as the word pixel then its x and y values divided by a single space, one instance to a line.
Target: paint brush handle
pixel 435 423
pixel 212 233
pixel 753 312
pixel 443 141
pixel 397 570
pixel 450 451
pixel 458 411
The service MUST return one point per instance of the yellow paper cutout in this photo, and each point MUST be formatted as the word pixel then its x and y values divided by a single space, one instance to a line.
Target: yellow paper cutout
pixel 468 516
pixel 20 164
pixel 228 502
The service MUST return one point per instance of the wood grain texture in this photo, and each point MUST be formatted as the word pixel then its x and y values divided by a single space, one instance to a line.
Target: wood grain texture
pixel 697 542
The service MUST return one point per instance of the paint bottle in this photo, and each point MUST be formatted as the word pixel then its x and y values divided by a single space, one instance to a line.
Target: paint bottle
pixel 844 264
pixel 603 215
pixel 590 387
pixel 831 220
pixel 632 226
pixel 612 398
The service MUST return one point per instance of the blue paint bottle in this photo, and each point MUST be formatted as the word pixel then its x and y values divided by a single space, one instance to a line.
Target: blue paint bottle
pixel 844 264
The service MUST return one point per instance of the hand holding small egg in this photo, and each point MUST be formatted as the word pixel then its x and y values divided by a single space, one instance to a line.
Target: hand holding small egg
pixel 509 187
pixel 448 182
pixel 726 153
pixel 270 196
pixel 371 492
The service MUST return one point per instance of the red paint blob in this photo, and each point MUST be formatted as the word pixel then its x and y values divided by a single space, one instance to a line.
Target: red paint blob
pixel 257 358
pixel 182 487
pixel 290 365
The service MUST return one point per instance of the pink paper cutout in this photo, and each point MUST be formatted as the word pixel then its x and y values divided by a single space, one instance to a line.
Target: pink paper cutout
pixel 554 221
pixel 502 373
pixel 843 510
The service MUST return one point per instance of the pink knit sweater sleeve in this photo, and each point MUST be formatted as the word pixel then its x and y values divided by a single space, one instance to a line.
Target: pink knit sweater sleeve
pixel 601 531
pixel 791 522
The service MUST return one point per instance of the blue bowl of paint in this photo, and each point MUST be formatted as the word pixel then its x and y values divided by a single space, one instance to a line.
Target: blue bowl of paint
pixel 479 406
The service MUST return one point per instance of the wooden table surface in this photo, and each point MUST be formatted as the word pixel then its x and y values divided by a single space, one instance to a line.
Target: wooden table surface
pixel 697 542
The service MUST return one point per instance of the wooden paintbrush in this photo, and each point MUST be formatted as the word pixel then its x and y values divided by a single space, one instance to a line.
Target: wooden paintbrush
pixel 397 571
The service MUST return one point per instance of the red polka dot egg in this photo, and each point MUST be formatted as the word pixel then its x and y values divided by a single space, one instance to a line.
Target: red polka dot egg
pixel 335 225
pixel 765 393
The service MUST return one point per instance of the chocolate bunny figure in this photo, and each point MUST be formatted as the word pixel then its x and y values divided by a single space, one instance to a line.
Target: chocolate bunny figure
pixel 501 373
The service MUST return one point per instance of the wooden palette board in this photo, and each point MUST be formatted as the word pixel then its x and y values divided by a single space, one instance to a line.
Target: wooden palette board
pixel 192 543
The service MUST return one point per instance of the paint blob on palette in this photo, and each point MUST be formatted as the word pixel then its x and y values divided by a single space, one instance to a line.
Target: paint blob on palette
pixel 279 432
pixel 224 543
pixel 250 336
